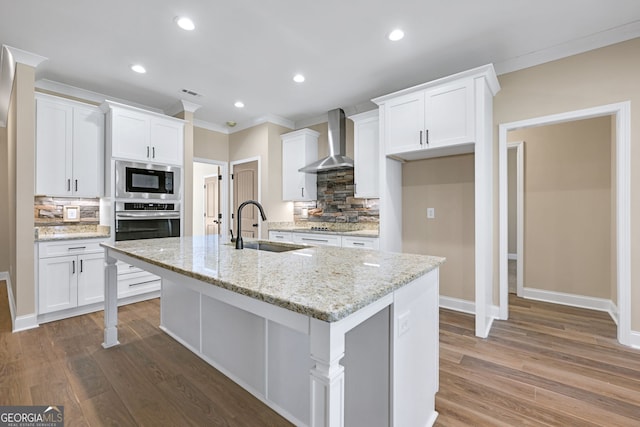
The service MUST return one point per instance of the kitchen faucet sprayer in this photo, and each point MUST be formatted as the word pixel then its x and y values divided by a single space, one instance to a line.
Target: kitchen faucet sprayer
pixel 239 242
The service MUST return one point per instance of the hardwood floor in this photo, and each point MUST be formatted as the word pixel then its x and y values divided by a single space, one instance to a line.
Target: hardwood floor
pixel 548 365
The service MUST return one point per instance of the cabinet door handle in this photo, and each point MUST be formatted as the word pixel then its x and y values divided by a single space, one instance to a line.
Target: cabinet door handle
pixel 153 150
pixel 73 267
pixel 147 151
pixel 420 137
pixel 302 191
pixel 427 136
pixel 81 266
pixel 76 185
pixel 68 184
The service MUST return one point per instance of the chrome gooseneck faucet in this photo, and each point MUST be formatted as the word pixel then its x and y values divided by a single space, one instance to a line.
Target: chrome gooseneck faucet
pixel 239 243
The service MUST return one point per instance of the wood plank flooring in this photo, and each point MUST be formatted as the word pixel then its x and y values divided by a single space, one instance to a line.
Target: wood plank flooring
pixel 548 365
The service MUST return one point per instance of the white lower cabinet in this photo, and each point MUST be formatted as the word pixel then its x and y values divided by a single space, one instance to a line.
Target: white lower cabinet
pixel 360 242
pixel 70 274
pixel 281 236
pixel 134 281
pixel 316 239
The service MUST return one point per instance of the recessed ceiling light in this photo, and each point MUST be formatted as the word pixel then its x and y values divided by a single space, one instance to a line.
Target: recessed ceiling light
pixel 396 35
pixel 138 68
pixel 239 104
pixel 185 23
pixel 298 78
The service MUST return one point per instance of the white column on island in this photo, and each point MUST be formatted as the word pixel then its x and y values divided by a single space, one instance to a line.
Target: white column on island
pixel 110 301
pixel 327 376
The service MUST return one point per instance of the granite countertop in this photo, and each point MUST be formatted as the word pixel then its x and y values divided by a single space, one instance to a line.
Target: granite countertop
pixel 327 283
pixel 47 234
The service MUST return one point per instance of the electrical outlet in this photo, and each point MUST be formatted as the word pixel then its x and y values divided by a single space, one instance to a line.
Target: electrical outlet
pixel 404 323
pixel 431 213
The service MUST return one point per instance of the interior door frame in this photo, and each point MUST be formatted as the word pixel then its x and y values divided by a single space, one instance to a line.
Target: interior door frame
pixel 230 187
pixel 519 147
pixel 622 113
pixel 224 194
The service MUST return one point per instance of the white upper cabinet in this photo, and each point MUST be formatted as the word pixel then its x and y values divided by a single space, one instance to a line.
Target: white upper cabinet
pixel 69 148
pixel 144 136
pixel 299 149
pixel 436 118
pixel 366 154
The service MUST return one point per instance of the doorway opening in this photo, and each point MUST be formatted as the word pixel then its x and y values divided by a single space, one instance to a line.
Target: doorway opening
pixel 210 198
pixel 516 216
pixel 620 209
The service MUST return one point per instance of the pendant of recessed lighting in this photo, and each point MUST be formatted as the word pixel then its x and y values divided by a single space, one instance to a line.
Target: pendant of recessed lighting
pixel 184 23
pixel 396 35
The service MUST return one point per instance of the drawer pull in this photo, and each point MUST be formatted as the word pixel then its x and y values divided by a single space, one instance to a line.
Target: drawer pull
pixel 358 243
pixel 77 248
pixel 315 240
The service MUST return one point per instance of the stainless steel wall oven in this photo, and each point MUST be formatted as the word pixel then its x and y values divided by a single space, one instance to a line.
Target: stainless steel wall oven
pixel 142 220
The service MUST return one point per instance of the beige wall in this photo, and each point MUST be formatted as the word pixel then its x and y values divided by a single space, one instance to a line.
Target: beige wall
pixel 512 195
pixel 208 144
pixel 594 78
pixel 23 141
pixel 567 207
pixel 263 141
pixel 4 198
pixel 446 184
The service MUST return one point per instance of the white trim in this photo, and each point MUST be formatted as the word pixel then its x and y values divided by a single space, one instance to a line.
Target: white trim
pixel 519 147
pixel 180 106
pixel 465 306
pixel 569 48
pixel 98 98
pixel 573 300
pixel 269 118
pixel 224 196
pixel 634 339
pixel 9 57
pixel 622 111
pixel 18 323
pixel 210 126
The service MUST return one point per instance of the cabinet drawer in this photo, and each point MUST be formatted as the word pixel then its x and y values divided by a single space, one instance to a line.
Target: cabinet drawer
pixel 281 236
pixel 360 242
pixel 314 239
pixel 69 247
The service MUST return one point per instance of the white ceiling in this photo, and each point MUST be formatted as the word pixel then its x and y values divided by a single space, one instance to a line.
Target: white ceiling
pixel 249 50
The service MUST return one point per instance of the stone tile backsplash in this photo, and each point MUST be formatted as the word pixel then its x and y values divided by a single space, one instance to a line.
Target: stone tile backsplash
pixel 48 211
pixel 336 202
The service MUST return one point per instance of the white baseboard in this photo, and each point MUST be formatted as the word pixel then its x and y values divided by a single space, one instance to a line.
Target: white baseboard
pixel 512 257
pixel 18 323
pixel 581 301
pixel 456 304
pixel 635 340
pixel 465 306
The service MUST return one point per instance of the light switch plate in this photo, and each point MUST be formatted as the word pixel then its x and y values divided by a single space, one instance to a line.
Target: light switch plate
pixel 431 213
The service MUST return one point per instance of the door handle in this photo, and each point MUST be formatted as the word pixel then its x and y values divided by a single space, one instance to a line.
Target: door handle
pixel 76 185
pixel 420 137
pixel 73 267
pixel 147 151
pixel 153 150
pixel 254 225
pixel 81 267
pixel 68 185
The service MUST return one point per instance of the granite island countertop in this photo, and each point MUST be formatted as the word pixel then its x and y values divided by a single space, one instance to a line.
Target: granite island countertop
pixel 327 283
pixel 355 233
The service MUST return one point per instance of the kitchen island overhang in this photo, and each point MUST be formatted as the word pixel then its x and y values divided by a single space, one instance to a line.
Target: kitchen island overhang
pixel 304 330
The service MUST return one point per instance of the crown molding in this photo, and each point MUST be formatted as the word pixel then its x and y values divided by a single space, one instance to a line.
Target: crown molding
pixel 269 118
pixel 9 57
pixel 88 95
pixel 210 126
pixel 180 106
pixel 570 48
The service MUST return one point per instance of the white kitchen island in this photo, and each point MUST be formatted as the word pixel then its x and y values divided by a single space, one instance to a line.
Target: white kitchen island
pixel 325 336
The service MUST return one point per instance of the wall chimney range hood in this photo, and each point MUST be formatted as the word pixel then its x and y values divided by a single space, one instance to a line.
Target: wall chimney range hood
pixel 337 139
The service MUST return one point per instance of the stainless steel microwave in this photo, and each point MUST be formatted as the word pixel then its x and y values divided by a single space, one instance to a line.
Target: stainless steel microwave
pixel 147 181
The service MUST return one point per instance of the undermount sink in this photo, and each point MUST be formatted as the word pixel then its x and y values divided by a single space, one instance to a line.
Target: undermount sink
pixel 271 247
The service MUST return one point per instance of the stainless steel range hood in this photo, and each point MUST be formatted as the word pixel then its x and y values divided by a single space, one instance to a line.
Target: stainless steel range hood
pixel 337 158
